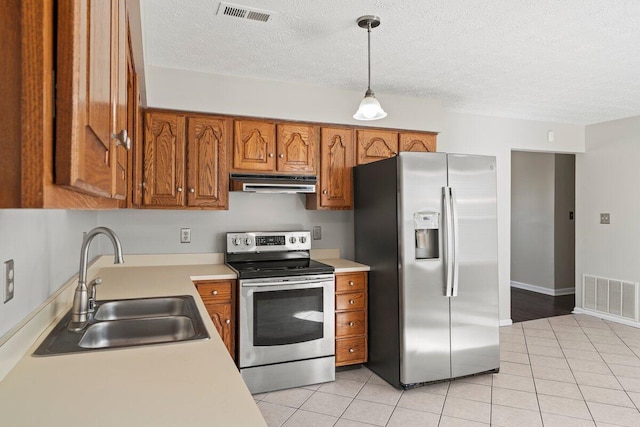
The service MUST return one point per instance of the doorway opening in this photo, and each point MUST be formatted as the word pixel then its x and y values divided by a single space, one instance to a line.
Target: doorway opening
pixel 542 235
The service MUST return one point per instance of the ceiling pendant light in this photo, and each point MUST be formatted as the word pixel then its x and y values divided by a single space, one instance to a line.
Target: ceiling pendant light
pixel 369 108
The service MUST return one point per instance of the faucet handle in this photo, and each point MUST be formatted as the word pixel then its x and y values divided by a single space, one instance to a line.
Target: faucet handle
pixel 92 294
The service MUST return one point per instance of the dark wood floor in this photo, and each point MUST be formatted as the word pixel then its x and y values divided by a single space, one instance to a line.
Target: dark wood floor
pixel 527 305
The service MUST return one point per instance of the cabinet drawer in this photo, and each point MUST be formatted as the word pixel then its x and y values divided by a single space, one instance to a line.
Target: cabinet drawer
pixel 350 323
pixel 214 291
pixel 350 282
pixel 351 350
pixel 350 301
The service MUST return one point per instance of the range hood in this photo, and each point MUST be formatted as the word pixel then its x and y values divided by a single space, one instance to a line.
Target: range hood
pixel 256 183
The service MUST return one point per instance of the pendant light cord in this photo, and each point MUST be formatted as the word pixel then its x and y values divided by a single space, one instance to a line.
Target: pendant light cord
pixel 369 55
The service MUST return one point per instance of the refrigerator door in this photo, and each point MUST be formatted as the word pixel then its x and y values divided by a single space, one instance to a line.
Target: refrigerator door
pixel 474 309
pixel 424 308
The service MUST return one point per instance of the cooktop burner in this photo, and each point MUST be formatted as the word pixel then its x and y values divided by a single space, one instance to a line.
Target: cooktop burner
pixel 298 267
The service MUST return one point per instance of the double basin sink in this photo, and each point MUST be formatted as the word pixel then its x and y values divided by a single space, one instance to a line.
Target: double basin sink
pixel 127 323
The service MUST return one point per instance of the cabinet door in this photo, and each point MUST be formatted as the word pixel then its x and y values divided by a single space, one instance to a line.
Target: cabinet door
pixel 337 159
pixel 221 316
pixel 296 148
pixel 376 145
pixel 83 97
pixel 411 141
pixel 208 177
pixel 254 146
pixel 119 83
pixel 164 148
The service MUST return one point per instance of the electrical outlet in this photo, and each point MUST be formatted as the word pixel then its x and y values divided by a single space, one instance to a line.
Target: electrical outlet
pixel 9 280
pixel 317 232
pixel 185 235
pixel 605 218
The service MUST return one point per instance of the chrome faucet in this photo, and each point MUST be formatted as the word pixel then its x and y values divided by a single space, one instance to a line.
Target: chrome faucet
pixel 83 301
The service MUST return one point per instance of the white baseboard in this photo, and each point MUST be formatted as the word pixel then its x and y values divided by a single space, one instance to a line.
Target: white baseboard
pixel 506 322
pixel 577 310
pixel 543 290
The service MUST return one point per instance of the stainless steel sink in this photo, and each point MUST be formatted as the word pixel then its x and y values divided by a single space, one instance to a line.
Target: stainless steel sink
pixel 125 333
pixel 146 307
pixel 128 323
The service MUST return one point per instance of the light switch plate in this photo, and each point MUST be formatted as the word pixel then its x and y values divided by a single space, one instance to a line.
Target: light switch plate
pixel 605 218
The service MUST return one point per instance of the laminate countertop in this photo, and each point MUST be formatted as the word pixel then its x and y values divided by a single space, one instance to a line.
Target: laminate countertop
pixel 193 383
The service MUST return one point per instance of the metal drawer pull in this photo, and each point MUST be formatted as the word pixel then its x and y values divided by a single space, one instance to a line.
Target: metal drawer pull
pixel 214 292
pixel 351 350
pixel 227 321
pixel 351 301
pixel 351 283
pixel 282 156
pixel 351 324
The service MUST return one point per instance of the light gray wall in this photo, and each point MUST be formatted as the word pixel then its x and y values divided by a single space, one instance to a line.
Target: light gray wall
pixel 532 218
pixel 607 178
pixel 158 231
pixel 45 247
pixel 564 227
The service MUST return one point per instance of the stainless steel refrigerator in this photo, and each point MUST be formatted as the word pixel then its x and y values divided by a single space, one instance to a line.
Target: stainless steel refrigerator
pixel 426 224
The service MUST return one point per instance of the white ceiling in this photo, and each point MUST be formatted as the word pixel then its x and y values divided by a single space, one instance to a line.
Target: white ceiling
pixel 573 61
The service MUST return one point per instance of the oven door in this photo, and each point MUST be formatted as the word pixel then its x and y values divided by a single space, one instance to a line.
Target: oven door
pixel 285 319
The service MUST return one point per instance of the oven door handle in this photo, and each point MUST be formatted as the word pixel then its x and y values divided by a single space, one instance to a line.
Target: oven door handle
pixel 262 283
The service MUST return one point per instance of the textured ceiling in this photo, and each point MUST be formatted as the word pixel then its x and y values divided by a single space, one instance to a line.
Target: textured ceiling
pixel 574 61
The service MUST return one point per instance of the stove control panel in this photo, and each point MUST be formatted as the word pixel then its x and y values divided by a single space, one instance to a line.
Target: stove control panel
pixel 268 241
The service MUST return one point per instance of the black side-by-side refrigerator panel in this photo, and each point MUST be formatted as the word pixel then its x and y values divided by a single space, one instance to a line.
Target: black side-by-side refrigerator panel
pixel 376 245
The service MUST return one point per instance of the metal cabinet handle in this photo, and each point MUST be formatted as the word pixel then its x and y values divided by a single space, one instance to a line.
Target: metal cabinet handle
pixel 270 154
pixel 351 301
pixel 324 191
pixel 214 292
pixel 227 321
pixel 192 190
pixel 282 156
pixel 179 189
pixel 122 139
pixel 351 350
pixel 351 323
pixel 351 283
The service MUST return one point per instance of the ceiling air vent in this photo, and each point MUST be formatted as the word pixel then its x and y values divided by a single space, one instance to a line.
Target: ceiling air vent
pixel 243 12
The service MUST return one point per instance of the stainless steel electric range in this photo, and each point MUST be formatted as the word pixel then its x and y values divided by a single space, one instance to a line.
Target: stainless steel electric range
pixel 286 321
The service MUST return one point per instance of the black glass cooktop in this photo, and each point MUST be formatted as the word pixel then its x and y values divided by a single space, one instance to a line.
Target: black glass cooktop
pixel 280 268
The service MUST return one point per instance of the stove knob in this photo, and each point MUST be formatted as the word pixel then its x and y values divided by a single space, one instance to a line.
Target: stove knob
pixel 248 241
pixel 237 241
pixel 303 239
pixel 292 239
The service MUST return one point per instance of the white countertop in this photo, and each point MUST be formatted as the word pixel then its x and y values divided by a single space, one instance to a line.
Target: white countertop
pixel 192 383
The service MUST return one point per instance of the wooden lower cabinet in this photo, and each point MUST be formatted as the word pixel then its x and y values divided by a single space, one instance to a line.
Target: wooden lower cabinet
pixel 219 297
pixel 351 318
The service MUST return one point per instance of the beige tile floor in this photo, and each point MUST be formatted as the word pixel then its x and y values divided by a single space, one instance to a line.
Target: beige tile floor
pixel 565 371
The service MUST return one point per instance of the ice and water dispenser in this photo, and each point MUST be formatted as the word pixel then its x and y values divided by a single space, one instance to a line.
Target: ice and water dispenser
pixel 426 226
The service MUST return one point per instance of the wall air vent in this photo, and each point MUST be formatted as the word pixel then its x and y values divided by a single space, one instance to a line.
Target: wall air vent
pixel 617 298
pixel 243 12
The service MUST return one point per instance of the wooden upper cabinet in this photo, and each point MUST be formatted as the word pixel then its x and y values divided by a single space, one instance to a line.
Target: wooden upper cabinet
pixel 83 98
pixel 337 159
pixel 414 141
pixel 373 145
pixel 208 178
pixel 164 148
pixel 254 145
pixel 296 148
pixel 120 102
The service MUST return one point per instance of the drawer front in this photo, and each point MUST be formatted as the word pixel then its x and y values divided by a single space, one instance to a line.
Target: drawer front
pixel 214 291
pixel 350 323
pixel 351 350
pixel 351 301
pixel 350 282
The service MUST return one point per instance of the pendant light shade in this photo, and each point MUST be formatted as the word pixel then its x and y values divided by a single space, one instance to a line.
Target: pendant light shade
pixel 369 108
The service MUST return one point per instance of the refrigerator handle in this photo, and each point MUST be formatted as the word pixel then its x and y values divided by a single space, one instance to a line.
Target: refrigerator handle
pixel 455 251
pixel 448 241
